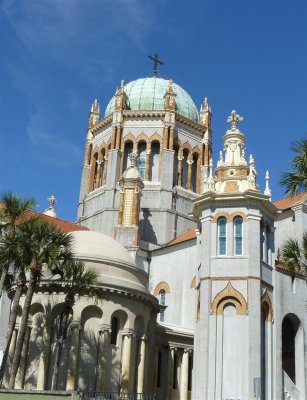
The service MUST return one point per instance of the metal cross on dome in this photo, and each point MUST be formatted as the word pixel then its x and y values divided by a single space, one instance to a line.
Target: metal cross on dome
pixel 155 59
pixel 234 119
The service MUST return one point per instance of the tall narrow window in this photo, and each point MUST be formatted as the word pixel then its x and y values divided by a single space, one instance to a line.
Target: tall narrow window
pixel 162 301
pixel 142 159
pixel 238 225
pixel 222 236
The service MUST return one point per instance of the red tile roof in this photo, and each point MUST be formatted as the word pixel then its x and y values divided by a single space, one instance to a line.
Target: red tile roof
pixel 187 235
pixel 284 267
pixel 65 226
pixel 290 201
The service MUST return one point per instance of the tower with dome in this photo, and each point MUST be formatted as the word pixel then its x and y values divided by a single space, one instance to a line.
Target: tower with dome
pixel 195 303
pixel 158 120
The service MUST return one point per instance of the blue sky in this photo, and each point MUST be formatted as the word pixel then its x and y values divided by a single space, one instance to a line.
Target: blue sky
pixel 57 56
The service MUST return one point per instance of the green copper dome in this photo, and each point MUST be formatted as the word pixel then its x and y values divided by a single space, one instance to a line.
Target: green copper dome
pixel 147 94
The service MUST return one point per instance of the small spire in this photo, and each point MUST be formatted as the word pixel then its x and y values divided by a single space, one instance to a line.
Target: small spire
pixel 267 190
pixel 50 210
pixel 234 119
pixel 95 106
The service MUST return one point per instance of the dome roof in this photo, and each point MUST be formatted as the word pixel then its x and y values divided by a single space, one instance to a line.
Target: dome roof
pixel 147 94
pixel 97 246
pixel 112 262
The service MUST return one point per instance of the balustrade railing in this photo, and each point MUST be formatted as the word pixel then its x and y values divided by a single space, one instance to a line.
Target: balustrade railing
pixel 115 396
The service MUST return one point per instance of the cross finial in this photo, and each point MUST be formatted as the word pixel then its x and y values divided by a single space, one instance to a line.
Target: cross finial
pixel 155 59
pixel 52 200
pixel 234 119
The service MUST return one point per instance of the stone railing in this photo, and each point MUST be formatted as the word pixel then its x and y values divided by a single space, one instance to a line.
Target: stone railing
pixel 115 396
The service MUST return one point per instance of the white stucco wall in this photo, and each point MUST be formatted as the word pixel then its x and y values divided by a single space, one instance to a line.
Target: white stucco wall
pixel 176 265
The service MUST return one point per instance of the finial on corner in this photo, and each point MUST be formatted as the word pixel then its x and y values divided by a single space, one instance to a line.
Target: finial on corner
pixel 267 190
pixel 234 119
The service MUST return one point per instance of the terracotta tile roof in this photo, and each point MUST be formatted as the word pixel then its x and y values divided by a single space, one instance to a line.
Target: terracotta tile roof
pixel 283 267
pixel 187 235
pixel 65 226
pixel 290 201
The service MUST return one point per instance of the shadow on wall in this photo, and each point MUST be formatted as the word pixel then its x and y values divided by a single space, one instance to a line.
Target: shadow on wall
pixel 146 230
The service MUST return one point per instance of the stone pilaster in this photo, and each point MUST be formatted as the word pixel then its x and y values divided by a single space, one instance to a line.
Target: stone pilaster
pixel 71 383
pixel 141 366
pixel 184 377
pixel 44 358
pixel 102 370
pixel 126 361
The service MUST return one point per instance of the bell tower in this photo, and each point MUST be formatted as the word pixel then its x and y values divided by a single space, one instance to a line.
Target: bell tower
pixel 234 277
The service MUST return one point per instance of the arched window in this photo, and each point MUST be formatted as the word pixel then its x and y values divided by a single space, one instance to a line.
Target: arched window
pixel 238 235
pixel 175 167
pixel 185 168
pixel 95 170
pixel 221 231
pixel 265 244
pixel 162 301
pixel 114 330
pixel 154 161
pixel 194 172
pixel 127 150
pixel 101 166
pixel 142 159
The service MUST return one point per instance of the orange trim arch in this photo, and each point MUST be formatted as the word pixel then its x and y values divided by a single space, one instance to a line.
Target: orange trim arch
pixel 229 295
pixel 161 286
pixel 235 214
pixel 221 214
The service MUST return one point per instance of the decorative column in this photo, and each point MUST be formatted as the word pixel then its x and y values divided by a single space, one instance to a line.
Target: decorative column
pixel 147 166
pixel 99 162
pixel 105 171
pixel 118 134
pixel 141 367
pixel 103 347
pixel 23 359
pixel 43 359
pixel 86 154
pixel 130 186
pixel 113 138
pixel 171 138
pixel 180 158
pixel 126 360
pixel 184 375
pixel 189 180
pixel 71 382
pixel 165 137
pixel 170 373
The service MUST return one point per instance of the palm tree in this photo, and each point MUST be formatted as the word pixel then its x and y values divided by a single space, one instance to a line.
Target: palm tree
pixel 77 279
pixel 294 255
pixel 38 244
pixel 12 209
pixel 296 181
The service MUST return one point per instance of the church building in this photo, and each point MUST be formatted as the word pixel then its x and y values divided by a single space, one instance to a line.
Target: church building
pixel 195 303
